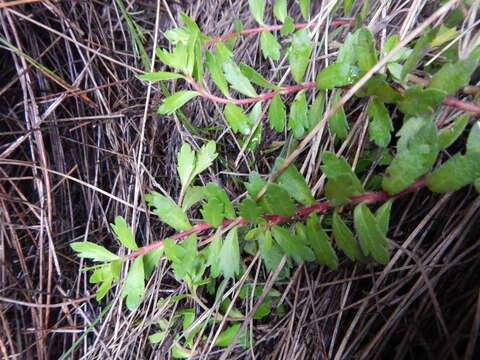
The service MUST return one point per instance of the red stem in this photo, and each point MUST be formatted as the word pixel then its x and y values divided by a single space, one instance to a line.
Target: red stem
pixel 275 28
pixel 277 219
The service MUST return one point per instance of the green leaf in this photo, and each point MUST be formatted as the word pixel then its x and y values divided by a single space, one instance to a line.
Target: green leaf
pixel 292 244
pixel 151 259
pixel 420 49
pixel 372 240
pixel 298 120
pixel 288 26
pixel 342 181
pixel 280 10
pixel 176 101
pixel 134 287
pixel 419 101
pixel 305 8
pixel 366 52
pixel 169 212
pixel 345 240
pixel 238 81
pixel 216 73
pixel 294 183
pixel 414 160
pixel 223 53
pixel 237 119
pixel 183 257
pixel 318 240
pixel 180 353
pixel 212 212
pixel 160 75
pixel 185 164
pixel 316 110
pixel 193 195
pixel 299 54
pixel 378 87
pixel 257 8
pixel 205 157
pixel 270 46
pixel 277 114
pixel 255 77
pixel 452 77
pixel 473 140
pixel 383 216
pixel 229 263
pixel 214 255
pixel 448 135
pixel 93 251
pixel 338 122
pixel 250 211
pixel 347 53
pixel 177 59
pixel 347 4
pixel 336 75
pixel 218 206
pixel 226 337
pixel 276 200
pixel 380 126
pixel 253 118
pixel 255 184
pixel 271 254
pixel 124 233
pixel 455 173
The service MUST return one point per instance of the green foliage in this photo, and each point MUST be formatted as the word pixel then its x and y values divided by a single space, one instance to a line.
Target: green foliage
pixel 169 212
pixel 336 75
pixel 229 263
pixel 176 101
pixel 270 46
pixel 134 287
pixel 299 54
pixel 237 80
pixel 93 251
pixel 277 114
pixel 124 233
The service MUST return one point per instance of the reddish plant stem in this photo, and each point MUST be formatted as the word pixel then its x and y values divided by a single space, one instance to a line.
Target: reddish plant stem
pixel 275 28
pixel 461 105
pixel 273 219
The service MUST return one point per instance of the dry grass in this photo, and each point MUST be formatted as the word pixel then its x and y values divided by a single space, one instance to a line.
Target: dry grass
pixel 83 145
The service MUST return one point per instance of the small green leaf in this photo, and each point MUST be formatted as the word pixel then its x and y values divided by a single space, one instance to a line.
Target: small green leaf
pixel 338 122
pixel 255 184
pixel 160 75
pixel 237 119
pixel 447 136
pixel 176 101
pixel 185 164
pixel 212 212
pixel 169 212
pixel 270 46
pixel 183 257
pixel 205 157
pixel 134 287
pixel 124 233
pixel 193 195
pixel 383 216
pixel 215 69
pixel 318 240
pixel 93 251
pixel 380 126
pixel 177 59
pixel 378 87
pixel 372 240
pixel 277 114
pixel 316 110
pixel 457 172
pixel 151 259
pixel 280 10
pixel 214 256
pixel 473 140
pixel 238 81
pixel 292 244
pixel 452 77
pixel 276 200
pixel 345 240
pixel 250 211
pixel 255 77
pixel 293 181
pixel 297 119
pixel 288 26
pixel 419 101
pixel 229 263
pixel 347 53
pixel 225 338
pixel 366 52
pixel 335 75
pixel 271 253
pixel 179 353
pixel 257 8
pixel 299 54
pixel 305 8
pixel 418 52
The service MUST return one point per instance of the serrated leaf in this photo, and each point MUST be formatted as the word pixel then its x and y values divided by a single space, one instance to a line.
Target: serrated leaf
pixel 176 59
pixel 212 212
pixel 276 200
pixel 288 26
pixel 134 287
pixel 316 110
pixel 419 101
pixel 418 52
pixel 271 253
pixel 185 164
pixel 473 140
pixel 277 114
pixel 151 259
pixel 237 119
pixel 366 52
pixel 214 255
pixel 298 119
pixel 176 101
pixel 292 245
pixel 255 77
pixel 229 263
pixel 335 75
pixel 338 121
pixel 255 184
pixel 124 233
pixel 270 46
pixel 372 241
pixel 257 8
pixel 250 211
pixel 347 53
pixel 183 257
pixel 452 77
pixel 345 240
pixel 380 125
pixel 447 136
pixel 193 195
pixel 383 216
pixel 305 8
pixel 237 80
pixel 205 157
pixel 280 10
pixel 89 250
pixel 318 240
pixel 160 75
pixel 299 54
pixel 225 338
pixel 216 73
pixel 293 181
pixel 169 212
pixel 455 173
